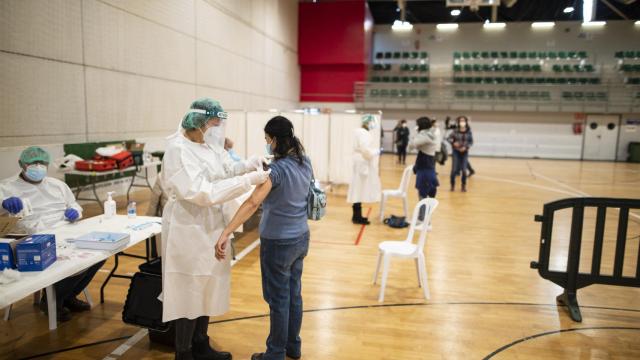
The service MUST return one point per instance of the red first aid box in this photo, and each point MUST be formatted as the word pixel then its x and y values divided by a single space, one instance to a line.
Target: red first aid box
pixel 96 165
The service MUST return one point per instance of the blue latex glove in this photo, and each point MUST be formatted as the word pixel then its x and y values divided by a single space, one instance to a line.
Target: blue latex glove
pixel 71 214
pixel 13 205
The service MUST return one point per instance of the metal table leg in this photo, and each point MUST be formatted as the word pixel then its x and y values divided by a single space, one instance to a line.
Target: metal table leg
pixel 112 273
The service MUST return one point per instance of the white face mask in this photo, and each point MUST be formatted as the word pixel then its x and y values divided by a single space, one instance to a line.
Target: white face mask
pixel 214 136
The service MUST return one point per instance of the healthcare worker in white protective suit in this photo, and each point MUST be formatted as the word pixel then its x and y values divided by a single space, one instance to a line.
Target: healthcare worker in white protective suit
pixel 199 177
pixel 365 181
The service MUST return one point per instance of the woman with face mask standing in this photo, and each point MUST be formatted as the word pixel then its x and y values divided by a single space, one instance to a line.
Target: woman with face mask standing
pixel 199 177
pixel 461 140
pixel 365 181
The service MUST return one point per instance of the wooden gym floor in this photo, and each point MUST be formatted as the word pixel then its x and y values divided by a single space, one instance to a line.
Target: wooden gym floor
pixel 485 300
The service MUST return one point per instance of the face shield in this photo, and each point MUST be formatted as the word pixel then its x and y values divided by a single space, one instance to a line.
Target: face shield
pixel 369 121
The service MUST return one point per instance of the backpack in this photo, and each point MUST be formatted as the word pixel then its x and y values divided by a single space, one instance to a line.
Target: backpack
pixel 396 222
pixel 316 201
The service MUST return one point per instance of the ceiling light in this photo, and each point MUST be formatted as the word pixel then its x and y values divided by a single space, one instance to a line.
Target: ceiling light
pixel 587 10
pixel 594 23
pixel 568 9
pixel 401 26
pixel 455 12
pixel 543 25
pixel 489 25
pixel 273 110
pixel 637 23
pixel 447 26
pixel 350 111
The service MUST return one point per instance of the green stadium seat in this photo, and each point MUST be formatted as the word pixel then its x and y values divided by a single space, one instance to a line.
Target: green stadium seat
pixel 457 67
pixel 567 95
pixel 405 79
pixel 424 55
pixel 494 54
pixel 509 80
pixel 468 80
pixel 375 79
pixel 533 55
pixel 405 54
pixel 502 94
pixel 477 80
pixel 542 55
pixel 377 67
pixel 519 80
pixel 375 92
pixel 562 55
pixel 384 93
pixel 458 80
pixel 424 68
pixel 413 93
pixel 540 80
pixel 486 67
pixel 387 67
pixel 578 95
pixel 582 54
pixel 513 54
pixel 636 68
pixel 504 55
pixel 466 55
pixel 619 55
pixel 545 95
pixel 484 54
pixel 572 54
pixel 572 81
pixel 394 93
pixel 556 68
pixel 630 54
pixel 397 55
pixel 475 54
pixel 567 68
pixel 387 55
pixel 423 93
pixel 487 80
pixel 468 67
pixel 583 81
pixel 526 67
pixel 457 55
pixel 404 67
pixel 499 80
pixel 379 55
pixel 530 80
pixel 506 67
pixel 552 55
pixel 414 79
pixel 477 67
pixel 516 68
pixel 522 55
pixel 395 79
pixel 594 81
pixel 414 54
pixel 589 68
pixel 550 80
pixel 404 93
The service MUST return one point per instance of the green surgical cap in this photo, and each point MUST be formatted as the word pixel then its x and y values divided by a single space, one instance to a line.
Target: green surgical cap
pixel 367 118
pixel 33 154
pixel 201 111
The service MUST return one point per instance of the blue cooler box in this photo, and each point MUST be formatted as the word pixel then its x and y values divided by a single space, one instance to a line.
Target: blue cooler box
pixel 36 252
pixel 8 253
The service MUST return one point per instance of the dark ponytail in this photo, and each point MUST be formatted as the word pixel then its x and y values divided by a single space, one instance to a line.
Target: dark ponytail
pixel 281 129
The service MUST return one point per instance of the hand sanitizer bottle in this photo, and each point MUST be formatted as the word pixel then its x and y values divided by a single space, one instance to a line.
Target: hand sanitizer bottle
pixel 109 206
pixel 131 210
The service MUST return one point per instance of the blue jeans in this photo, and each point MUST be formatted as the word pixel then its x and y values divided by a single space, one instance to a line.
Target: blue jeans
pixel 459 165
pixel 281 265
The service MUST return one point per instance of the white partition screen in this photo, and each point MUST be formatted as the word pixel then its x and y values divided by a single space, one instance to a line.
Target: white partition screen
pixel 316 142
pixel 298 124
pixel 256 120
pixel 236 130
pixel 341 146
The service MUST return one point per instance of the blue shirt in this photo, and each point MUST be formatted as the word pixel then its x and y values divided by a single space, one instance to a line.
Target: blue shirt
pixel 284 211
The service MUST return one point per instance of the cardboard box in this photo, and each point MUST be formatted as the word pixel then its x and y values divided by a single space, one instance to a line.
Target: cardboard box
pixel 8 252
pixel 36 252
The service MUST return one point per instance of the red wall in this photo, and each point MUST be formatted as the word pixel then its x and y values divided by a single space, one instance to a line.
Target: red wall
pixel 333 49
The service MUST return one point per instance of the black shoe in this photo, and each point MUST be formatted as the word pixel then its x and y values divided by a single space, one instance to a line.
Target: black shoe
pixel 184 355
pixel 464 188
pixel 361 221
pixel 294 357
pixel 62 313
pixel 257 356
pixel 471 172
pixel 203 351
pixel 77 305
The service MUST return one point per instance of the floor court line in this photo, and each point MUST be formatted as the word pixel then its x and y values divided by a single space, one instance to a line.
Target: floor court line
pixel 362 229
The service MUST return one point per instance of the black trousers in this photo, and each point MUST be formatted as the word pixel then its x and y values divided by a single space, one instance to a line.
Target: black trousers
pixel 72 286
pixel 402 153
pixel 190 331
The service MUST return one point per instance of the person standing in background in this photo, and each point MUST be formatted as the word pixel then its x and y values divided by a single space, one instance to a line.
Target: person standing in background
pixel 427 142
pixel 461 140
pixel 365 181
pixel 401 139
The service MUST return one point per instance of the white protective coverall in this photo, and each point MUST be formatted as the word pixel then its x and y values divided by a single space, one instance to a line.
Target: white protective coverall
pixel 365 181
pixel 49 199
pixel 199 180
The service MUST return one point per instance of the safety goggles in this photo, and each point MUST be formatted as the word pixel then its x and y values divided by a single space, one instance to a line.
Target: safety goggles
pixel 222 115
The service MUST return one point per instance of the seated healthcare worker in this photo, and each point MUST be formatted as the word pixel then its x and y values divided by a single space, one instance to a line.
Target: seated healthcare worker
pixel 52 204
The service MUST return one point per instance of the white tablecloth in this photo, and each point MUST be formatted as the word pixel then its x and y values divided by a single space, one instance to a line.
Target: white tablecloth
pixel 72 260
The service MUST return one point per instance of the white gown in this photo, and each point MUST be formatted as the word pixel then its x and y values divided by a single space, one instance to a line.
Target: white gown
pixel 49 199
pixel 199 180
pixel 365 180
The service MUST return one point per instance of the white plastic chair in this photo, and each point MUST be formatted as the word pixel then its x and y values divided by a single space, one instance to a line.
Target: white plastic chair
pixel 407 249
pixel 400 192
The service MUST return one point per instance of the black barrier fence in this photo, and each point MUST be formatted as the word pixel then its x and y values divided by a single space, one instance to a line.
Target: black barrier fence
pixel 572 279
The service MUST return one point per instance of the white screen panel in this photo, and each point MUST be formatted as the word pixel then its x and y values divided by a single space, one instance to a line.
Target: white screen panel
pixel 236 130
pixel 316 142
